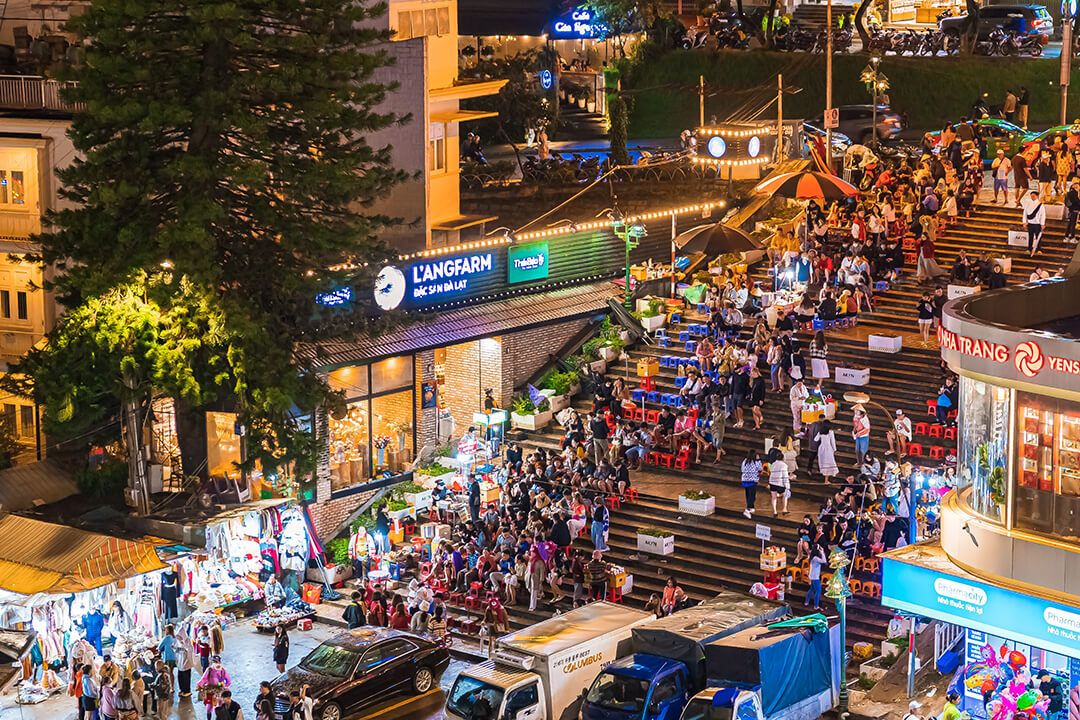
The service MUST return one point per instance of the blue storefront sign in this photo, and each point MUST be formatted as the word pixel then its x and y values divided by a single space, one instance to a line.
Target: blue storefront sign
pixel 527 262
pixel 577 24
pixel 429 281
pixel 981 606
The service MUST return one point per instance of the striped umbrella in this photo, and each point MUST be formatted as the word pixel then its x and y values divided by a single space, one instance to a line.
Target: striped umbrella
pixel 807 186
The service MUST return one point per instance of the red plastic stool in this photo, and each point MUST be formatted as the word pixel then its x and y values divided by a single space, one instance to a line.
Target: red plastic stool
pixel 681 462
pixel 652 416
pixel 456 598
pixel 639 414
pixel 935 430
pixel 666 459
pixel 950 433
pixel 653 458
pixel 937 452
pixel 931 407
pixel 914 449
pixel 409 528
pixel 631 494
pixel 922 428
pixel 417 543
pixel 613 502
pixel 647 383
pixel 615 594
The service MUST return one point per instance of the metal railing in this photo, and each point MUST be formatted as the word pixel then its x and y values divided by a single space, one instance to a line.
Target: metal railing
pixel 31 92
pixel 946 636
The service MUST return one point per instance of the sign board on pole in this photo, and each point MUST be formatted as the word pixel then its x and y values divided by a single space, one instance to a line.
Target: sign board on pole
pixel 832 118
pixel 762 532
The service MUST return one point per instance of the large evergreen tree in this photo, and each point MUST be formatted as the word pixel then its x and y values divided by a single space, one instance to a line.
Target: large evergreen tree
pixel 223 160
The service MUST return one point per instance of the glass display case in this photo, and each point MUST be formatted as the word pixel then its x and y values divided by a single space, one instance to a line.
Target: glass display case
pixel 1048 466
pixel 984 447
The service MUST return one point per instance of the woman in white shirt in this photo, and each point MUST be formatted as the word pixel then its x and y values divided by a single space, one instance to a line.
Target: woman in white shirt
pixel 779 482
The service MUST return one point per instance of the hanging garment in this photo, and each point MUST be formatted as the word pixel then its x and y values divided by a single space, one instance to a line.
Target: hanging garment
pixel 94 623
pixel 170 593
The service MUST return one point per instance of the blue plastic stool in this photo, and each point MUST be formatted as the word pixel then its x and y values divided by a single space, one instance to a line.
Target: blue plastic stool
pixel 703 308
pixel 663 341
pixel 637 395
pixel 690 346
pixel 653 396
pixel 680 382
pixel 684 336
pixel 676 318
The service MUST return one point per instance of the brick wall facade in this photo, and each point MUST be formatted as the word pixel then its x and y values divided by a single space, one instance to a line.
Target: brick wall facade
pixel 527 351
pixel 329 515
pixel 426 419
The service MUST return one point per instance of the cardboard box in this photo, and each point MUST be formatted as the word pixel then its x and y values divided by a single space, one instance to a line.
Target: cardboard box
pixel 885 343
pixel 648 368
pixel 853 376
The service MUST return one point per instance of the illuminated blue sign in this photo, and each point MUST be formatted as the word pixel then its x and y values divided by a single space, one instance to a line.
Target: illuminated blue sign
pixel 981 606
pixel 546 79
pixel 337 297
pixel 442 277
pixel 716 146
pixel 577 24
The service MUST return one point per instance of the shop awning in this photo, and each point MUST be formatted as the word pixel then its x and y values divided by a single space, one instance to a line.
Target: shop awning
pixel 467 90
pixel 468 323
pixel 38 483
pixel 923 580
pixel 37 557
pixel 461 222
pixel 460 115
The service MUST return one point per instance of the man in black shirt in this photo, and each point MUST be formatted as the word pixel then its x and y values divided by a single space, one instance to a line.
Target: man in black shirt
pixel 1050 686
pixel 599 428
pixel 667 420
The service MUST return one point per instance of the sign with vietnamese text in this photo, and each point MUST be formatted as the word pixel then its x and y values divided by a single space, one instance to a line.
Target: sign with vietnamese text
pixel 527 262
pixel 980 606
pixel 578 23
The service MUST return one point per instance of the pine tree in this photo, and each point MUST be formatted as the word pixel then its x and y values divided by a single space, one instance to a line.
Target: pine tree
pixel 223 161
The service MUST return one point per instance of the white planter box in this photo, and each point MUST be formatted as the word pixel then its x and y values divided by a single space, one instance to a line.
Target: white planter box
pixel 1018 238
pixel 624 335
pixel 419 500
pixel 607 353
pixel 558 402
pixel 531 422
pixel 885 343
pixel 955 291
pixel 1005 263
pixel 656 545
pixel 600 366
pixel 873 669
pixel 853 376
pixel 888 649
pixel 401 515
pixel 1054 211
pixel 652 324
pixel 641 305
pixel 334 573
pixel 448 461
pixel 706 506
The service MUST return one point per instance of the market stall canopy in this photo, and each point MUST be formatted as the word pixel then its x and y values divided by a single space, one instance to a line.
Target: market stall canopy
pixel 807 186
pixel 36 556
pixel 38 483
pixel 713 239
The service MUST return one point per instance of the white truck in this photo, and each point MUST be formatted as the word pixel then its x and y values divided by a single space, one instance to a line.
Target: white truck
pixel 543 671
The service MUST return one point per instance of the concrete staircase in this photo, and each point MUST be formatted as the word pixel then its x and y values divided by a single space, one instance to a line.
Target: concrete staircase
pixel 812 16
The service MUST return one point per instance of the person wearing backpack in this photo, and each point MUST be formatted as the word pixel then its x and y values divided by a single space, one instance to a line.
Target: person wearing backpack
pixel 354 612
pixel 163 689
pixel 126 708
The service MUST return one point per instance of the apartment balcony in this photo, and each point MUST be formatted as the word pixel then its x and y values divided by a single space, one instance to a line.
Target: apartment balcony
pixel 34 94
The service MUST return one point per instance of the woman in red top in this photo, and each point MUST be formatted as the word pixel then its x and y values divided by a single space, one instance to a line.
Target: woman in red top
pixel 399 620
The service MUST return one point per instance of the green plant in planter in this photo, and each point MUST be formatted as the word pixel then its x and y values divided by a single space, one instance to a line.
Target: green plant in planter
pixel 525 406
pixel 654 532
pixel 616 343
pixel 338 551
pixel 410 487
pixel 657 306
pixel 557 381
pixel 865 683
pixel 995 476
pixel 696 495
pixel 435 469
pixel 591 349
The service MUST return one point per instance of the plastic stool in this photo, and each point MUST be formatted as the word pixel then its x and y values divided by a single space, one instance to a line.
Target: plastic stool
pixel 950 433
pixel 675 318
pixel 653 396
pixel 914 449
pixel 922 428
pixel 637 395
pixel 690 347
pixel 666 459
pixel 680 381
pixel 613 502
pixel 653 458
pixel 684 336
pixel 937 452
pixel 652 416
pixel 663 341
pixel 703 308
pixel 935 430
pixel 681 463
pixel 931 407
pixel 631 493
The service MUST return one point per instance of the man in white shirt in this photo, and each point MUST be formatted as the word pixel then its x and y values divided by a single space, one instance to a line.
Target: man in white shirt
pixel 1035 218
pixel 901 433
pixel 1000 168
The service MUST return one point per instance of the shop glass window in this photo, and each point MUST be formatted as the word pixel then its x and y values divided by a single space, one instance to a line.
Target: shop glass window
pixel 352 381
pixel 431 24
pixel 18 188
pixel 1048 466
pixel 404 28
pixel 444 20
pixel 417 23
pixel 26 420
pixel 392 374
pixel 984 435
pixel 392 432
pixel 350 462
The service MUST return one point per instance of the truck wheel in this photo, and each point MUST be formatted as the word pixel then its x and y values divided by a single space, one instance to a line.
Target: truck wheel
pixel 422 681
pixel 331 711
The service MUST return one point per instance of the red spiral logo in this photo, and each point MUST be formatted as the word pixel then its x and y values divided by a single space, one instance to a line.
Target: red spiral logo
pixel 1029 359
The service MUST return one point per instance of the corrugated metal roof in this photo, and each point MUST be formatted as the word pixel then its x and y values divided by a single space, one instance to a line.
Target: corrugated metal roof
pixel 36 556
pixel 38 483
pixel 467 323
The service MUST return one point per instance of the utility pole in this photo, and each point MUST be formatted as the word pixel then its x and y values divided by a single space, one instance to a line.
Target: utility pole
pixel 1066 60
pixel 701 100
pixel 828 80
pixel 779 117
pixel 136 462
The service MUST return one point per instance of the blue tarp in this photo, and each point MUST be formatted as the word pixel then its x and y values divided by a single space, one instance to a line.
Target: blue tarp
pixel 789 665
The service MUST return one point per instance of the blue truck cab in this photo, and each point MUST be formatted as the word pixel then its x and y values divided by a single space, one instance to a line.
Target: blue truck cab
pixel 638 687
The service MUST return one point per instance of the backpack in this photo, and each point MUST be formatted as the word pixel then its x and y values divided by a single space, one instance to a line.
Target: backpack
pixel 163 685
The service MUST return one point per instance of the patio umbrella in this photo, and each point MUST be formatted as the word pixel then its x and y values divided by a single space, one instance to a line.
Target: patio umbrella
pixel 713 239
pixel 807 186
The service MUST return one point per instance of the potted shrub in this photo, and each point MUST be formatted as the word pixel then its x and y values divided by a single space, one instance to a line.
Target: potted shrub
pixel 590 351
pixel 697 502
pixel 399 510
pixel 487 52
pixel 558 386
pixel 655 540
pixel 654 316
pixel 415 494
pixel 524 414
pixel 427 475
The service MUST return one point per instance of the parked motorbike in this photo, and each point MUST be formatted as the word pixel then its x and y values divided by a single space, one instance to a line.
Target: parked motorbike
pixel 1015 43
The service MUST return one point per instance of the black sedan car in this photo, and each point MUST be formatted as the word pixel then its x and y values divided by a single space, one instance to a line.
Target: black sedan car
pixel 361 667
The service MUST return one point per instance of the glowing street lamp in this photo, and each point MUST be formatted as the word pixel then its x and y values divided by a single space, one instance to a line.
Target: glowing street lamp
pixel 839 591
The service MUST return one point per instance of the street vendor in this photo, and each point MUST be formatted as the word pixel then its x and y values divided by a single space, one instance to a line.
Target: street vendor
pixel 274 592
pixel 361 548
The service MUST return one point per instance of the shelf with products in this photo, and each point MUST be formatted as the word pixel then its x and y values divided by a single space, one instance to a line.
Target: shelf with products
pixel 1069 455
pixel 1037 433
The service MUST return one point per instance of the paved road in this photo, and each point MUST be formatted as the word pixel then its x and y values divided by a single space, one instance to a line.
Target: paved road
pixel 248 659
